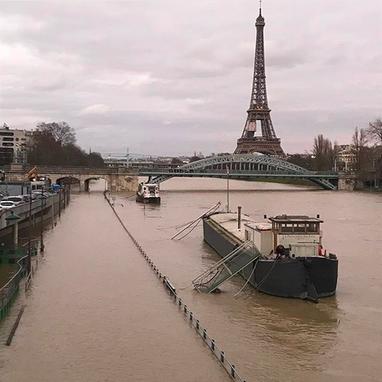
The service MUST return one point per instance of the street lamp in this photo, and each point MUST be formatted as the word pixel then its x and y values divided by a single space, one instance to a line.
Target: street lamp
pixel 42 221
pixel 228 168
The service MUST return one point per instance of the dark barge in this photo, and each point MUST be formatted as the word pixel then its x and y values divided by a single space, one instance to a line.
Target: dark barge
pixel 281 257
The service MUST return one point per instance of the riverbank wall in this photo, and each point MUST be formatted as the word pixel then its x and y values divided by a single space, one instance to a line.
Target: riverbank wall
pixel 15 255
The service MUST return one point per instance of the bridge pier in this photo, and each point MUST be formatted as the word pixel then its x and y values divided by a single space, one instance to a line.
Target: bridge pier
pixel 347 182
pixel 119 183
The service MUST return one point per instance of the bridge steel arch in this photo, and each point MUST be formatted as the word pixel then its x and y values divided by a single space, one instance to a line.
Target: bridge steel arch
pixel 244 167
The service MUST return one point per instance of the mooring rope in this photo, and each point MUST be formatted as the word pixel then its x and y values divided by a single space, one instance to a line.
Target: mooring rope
pixel 182 307
pixel 191 225
pixel 249 277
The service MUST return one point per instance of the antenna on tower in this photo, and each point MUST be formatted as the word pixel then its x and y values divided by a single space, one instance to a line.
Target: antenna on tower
pixel 260 6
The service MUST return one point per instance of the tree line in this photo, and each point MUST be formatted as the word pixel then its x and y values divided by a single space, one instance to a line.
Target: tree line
pixel 55 144
pixel 365 151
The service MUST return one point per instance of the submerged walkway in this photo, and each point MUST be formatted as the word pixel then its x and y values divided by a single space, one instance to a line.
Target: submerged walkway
pixel 96 313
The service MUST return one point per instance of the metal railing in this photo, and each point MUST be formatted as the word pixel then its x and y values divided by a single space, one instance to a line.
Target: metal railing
pixel 190 316
pixel 10 289
pixel 226 268
pixel 254 173
pixel 70 170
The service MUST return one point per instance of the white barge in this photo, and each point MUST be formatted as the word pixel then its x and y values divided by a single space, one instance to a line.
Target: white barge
pixel 148 193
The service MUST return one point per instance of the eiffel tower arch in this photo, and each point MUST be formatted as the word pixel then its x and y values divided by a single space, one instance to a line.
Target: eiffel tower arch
pixel 259 114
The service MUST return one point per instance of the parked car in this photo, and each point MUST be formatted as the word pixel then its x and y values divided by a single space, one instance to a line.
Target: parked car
pixel 7 204
pixel 40 196
pixel 27 197
pixel 15 199
pixel 39 192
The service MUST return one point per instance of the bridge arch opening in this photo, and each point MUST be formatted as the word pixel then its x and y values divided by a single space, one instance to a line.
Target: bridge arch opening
pixel 74 183
pixel 96 183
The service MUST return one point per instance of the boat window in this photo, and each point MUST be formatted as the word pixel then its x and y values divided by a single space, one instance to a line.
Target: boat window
pixel 286 227
pixel 300 227
pixel 312 227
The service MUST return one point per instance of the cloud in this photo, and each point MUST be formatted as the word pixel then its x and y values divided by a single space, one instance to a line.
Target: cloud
pixel 95 109
pixel 136 73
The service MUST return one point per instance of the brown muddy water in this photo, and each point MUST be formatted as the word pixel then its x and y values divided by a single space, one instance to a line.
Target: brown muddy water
pixel 96 312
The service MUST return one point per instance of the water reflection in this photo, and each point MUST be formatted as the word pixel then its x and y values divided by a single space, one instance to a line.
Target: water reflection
pixel 289 339
pixel 270 338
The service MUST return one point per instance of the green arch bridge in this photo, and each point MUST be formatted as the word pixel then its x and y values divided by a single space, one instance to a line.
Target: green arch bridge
pixel 243 167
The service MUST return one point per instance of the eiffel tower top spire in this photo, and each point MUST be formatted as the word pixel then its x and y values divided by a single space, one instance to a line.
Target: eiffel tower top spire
pixel 259 112
pixel 259 10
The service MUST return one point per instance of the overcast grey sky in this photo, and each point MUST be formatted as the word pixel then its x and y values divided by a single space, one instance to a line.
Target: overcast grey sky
pixel 174 76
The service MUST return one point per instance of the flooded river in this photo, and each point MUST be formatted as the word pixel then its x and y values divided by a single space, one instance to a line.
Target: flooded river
pixel 97 313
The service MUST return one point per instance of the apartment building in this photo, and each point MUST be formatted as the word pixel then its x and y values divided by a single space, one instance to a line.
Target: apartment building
pixel 13 145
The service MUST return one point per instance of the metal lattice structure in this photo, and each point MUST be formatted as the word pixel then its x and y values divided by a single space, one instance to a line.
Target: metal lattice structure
pixel 259 112
pixel 244 167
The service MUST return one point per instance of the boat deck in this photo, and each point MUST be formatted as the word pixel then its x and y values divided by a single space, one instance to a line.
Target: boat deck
pixel 228 221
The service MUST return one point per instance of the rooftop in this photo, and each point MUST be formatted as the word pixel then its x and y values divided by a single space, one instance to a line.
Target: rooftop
pixel 294 219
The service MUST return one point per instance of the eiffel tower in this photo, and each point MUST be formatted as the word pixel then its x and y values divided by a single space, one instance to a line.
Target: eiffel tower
pixel 259 114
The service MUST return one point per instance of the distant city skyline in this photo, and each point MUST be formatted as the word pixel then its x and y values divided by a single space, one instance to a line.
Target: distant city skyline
pixel 170 78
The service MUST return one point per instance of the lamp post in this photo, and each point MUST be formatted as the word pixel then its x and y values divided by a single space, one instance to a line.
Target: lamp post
pixel 42 221
pixel 14 218
pixel 30 230
pixel 59 202
pixel 228 188
pixel 375 174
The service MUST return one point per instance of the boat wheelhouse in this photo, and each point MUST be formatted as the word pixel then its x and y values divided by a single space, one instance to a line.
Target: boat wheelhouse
pixel 298 235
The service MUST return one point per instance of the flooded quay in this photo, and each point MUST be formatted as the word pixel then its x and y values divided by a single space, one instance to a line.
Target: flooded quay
pixel 96 313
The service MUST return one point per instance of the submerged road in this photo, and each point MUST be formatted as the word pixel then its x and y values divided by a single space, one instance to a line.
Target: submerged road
pixel 97 313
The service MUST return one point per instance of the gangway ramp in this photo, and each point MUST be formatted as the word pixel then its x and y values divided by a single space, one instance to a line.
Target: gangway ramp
pixel 226 268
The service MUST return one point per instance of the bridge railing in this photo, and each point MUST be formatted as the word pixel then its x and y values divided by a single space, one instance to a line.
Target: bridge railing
pixel 84 170
pixel 156 172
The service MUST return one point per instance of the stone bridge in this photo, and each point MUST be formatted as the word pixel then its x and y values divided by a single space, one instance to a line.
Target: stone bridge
pixel 117 179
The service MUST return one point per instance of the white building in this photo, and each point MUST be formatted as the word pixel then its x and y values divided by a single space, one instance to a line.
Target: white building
pixel 13 141
pixel 345 158
pixel 116 161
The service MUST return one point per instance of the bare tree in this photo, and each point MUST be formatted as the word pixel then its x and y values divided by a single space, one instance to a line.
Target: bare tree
pixel 54 144
pixel 61 132
pixel 359 147
pixel 323 153
pixel 374 131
